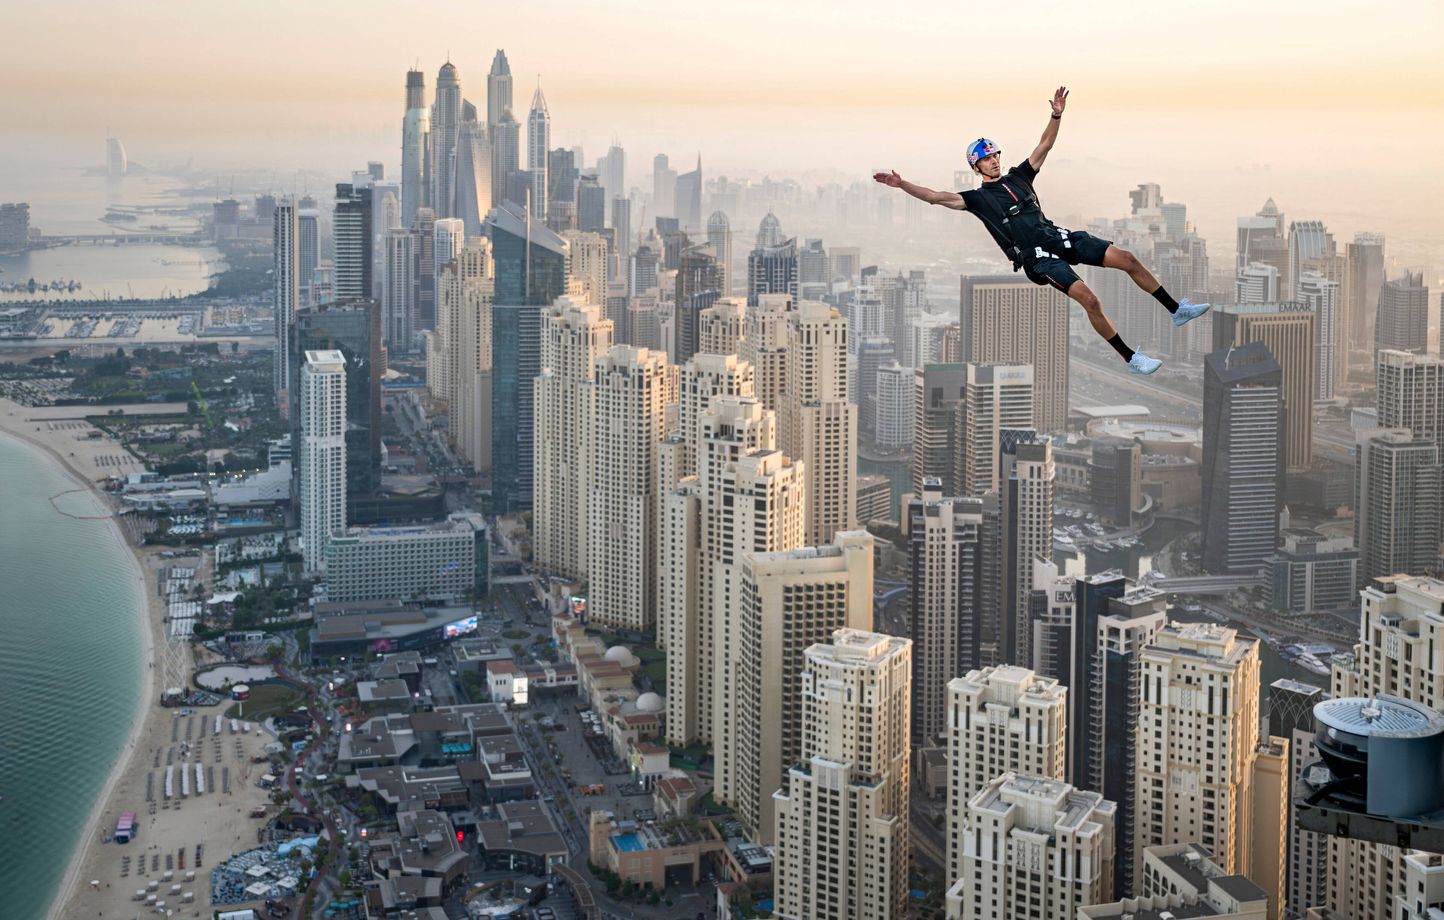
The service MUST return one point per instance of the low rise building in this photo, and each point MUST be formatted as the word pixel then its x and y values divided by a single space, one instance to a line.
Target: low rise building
pixel 448 559
pixel 522 838
pixel 1182 881
pixel 425 845
pixel 652 855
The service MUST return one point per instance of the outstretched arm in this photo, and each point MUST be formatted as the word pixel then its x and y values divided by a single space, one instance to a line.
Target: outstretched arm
pixel 922 193
pixel 1050 133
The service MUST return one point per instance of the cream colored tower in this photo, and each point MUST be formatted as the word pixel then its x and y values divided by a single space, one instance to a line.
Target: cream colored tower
pixel 818 421
pixel 680 629
pixel 755 504
pixel 704 376
pixel 574 335
pixel 764 346
pixel 587 267
pixel 470 361
pixel 1402 654
pixel 842 812
pixel 628 390
pixel 788 602
pixel 1000 720
pixel 1198 720
pixel 722 326
pixel 1038 849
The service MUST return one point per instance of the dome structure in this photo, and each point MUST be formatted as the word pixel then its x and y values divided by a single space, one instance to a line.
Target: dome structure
pixel 769 232
pixel 650 702
pixel 618 654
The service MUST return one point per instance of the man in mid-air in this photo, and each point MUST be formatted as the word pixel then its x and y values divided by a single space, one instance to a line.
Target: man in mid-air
pixel 1008 208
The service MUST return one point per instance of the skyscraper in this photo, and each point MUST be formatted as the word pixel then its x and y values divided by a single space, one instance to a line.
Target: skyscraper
pixel 1124 627
pixel 573 337
pixel 719 237
pixel 1040 849
pixel 398 295
pixel 1399 498
pixel 415 149
pixel 699 286
pixel 1403 322
pixel 448 236
pixel 664 187
pixel 1026 514
pixel 938 391
pixel 705 376
pixel 1410 394
pixel 1363 279
pixel 995 398
pixel 772 270
pixel 753 503
pixel 1000 720
pixel 1089 606
pixel 530 273
pixel 818 422
pixel 308 254
pixel 538 140
pixel 1310 243
pixel 612 171
pixel 1291 716
pixel 286 270
pixel 1321 296
pixel 587 269
pixel 351 240
pixel 1008 320
pixel 788 601
pixel 354 330
pixel 871 354
pixel 894 407
pixel 1243 439
pixel 1199 721
pixel 470 360
pixel 505 137
pixel 689 199
pixel 705 546
pixel 498 89
pixel 842 812
pixel 629 390
pixel 1288 331
pixel 721 326
pixel 323 453
pixel 764 346
pixel 473 193
pixel 445 129
pixel 945 577
pixel 1401 633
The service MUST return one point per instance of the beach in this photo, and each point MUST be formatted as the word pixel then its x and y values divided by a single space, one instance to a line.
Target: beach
pixel 173 830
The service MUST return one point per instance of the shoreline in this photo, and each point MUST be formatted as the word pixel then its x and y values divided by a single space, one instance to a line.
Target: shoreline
pixel 13 425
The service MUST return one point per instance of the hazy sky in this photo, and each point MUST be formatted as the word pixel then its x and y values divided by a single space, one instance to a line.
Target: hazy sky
pixel 1333 108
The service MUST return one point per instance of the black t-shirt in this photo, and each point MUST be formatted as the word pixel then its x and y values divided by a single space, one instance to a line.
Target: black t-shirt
pixel 1009 210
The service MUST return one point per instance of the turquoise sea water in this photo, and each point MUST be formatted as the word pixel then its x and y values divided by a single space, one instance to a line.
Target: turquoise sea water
pixel 71 667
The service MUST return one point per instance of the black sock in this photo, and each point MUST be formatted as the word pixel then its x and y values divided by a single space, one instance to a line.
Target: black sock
pixel 1118 346
pixel 1163 297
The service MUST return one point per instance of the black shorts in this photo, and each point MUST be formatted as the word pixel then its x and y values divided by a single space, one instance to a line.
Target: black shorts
pixel 1053 263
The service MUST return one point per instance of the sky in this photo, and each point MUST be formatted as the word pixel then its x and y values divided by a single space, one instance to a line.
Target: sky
pixel 1332 108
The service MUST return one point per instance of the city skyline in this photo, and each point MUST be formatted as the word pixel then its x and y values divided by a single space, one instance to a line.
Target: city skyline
pixel 911 107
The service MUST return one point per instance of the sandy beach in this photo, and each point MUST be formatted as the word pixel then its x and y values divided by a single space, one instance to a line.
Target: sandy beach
pixel 172 831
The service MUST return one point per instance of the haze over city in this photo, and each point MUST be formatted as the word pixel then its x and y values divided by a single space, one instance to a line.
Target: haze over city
pixel 1324 107
pixel 799 461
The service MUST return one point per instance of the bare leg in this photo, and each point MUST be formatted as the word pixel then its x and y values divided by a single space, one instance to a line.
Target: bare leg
pixel 1093 307
pixel 1123 260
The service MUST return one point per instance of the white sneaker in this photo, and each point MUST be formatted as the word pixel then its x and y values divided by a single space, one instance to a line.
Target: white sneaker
pixel 1188 311
pixel 1142 364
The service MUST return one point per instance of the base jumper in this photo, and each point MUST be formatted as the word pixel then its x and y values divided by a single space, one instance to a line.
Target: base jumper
pixel 1008 208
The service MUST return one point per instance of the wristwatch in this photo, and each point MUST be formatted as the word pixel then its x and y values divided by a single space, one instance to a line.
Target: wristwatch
pixel 1058 115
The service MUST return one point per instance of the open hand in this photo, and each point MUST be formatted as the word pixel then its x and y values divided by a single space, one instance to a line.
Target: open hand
pixel 1060 99
pixel 890 179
